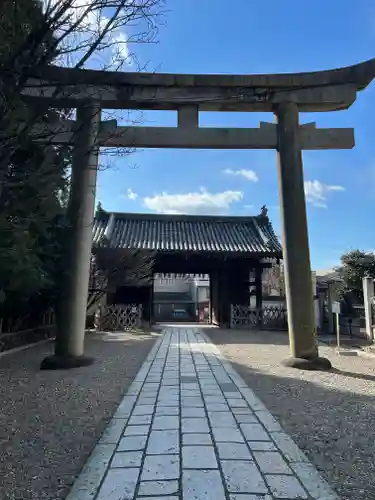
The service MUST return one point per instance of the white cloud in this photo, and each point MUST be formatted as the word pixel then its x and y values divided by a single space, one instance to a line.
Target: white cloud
pixel 316 192
pixel 198 202
pixel 250 175
pixel 131 194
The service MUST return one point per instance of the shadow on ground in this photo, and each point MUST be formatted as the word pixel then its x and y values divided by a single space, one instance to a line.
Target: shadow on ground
pixel 330 415
pixel 50 421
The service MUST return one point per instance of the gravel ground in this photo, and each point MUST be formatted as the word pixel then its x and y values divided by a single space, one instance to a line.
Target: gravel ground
pixel 330 415
pixel 51 420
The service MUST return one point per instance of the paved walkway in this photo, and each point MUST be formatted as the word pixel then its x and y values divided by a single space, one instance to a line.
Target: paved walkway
pixel 189 428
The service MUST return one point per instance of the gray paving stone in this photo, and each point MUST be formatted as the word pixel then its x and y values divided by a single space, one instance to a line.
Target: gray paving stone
pixel 127 459
pixel 136 430
pixel 170 382
pixel 164 422
pixel 288 447
pixel 195 394
pixel 243 411
pixel 237 403
pixel 269 422
pixel 161 467
pixel 146 401
pixel 271 462
pixel 113 431
pixel 244 496
pixel 221 419
pixel 193 402
pixel 119 484
pixel 125 408
pixel 233 451
pixel 173 497
pixel 228 387
pixel 198 457
pixel 88 482
pixel 254 432
pixel 227 435
pixel 134 388
pixel 313 482
pixel 143 410
pixel 152 386
pixel 193 412
pixel 194 425
pixel 163 442
pixel 196 439
pixel 132 443
pixel 202 485
pixel 169 395
pixel 166 410
pixel 188 380
pixel 150 488
pixel 254 403
pixel 217 406
pixel 166 402
pixel 247 419
pixel 140 420
pixel 243 477
pixel 215 399
pixel 285 487
pixel 261 446
pixel 147 393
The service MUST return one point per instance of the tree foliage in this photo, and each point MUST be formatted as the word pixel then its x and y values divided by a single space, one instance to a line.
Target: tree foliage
pixel 356 265
pixel 34 178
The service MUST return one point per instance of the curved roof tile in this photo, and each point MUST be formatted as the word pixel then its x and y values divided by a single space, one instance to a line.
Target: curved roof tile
pixel 186 233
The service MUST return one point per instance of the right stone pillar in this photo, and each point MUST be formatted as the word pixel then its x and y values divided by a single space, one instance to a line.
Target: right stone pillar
pixel 296 255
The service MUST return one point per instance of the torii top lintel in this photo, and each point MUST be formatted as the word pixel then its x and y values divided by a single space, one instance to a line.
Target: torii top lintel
pixel 327 90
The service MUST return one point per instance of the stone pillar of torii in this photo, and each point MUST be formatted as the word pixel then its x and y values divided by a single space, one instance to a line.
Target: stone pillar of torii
pixel 285 95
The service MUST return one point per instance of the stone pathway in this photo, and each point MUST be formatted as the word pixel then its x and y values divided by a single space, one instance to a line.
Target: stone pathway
pixel 189 428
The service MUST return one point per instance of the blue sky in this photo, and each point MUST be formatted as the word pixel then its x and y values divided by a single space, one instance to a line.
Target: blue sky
pixel 217 36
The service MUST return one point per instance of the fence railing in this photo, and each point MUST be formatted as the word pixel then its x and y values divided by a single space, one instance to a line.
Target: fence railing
pixel 20 331
pixel 269 317
pixel 118 317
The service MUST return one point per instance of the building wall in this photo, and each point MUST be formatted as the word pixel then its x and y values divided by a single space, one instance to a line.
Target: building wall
pixel 171 284
pixel 197 288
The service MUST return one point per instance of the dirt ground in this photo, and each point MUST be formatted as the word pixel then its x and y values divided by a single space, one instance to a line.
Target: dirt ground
pixel 330 415
pixel 51 420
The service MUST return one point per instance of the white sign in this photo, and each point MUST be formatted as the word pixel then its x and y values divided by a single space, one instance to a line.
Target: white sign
pixel 336 307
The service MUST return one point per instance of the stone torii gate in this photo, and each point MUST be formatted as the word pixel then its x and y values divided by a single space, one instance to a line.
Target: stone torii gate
pixel 285 95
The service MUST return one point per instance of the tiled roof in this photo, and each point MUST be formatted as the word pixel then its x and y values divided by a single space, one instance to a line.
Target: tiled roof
pixel 186 233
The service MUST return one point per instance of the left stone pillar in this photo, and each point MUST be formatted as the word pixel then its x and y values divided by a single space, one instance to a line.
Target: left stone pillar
pixel 70 336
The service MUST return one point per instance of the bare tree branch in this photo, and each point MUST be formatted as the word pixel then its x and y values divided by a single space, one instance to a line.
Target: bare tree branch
pixel 111 270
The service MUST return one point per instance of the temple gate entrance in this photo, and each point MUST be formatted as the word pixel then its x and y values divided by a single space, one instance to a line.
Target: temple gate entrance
pixel 227 250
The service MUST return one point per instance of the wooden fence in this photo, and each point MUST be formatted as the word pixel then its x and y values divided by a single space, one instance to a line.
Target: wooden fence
pixel 17 332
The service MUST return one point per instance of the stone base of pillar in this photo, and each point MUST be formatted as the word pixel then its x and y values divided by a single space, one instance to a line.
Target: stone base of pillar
pixel 317 364
pixel 55 362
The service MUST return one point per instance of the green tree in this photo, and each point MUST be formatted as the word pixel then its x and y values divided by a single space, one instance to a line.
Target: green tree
pixel 32 177
pixel 356 265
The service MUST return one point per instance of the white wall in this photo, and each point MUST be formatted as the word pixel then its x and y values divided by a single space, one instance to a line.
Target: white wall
pixel 171 284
